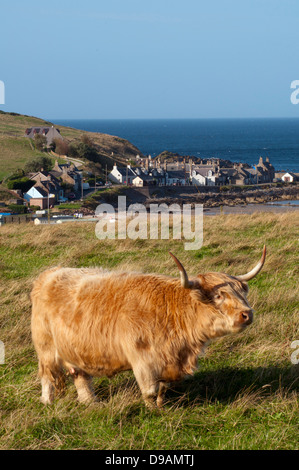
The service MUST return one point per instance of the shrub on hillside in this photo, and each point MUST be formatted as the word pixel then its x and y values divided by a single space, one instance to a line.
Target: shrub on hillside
pixel 84 149
pixel 43 162
pixel 40 142
pixel 60 146
pixel 23 183
pixel 17 208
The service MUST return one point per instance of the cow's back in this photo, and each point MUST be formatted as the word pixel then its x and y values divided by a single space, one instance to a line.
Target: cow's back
pixel 90 317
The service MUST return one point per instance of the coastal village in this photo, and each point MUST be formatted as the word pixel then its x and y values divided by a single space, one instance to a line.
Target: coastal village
pixel 67 182
pixel 212 172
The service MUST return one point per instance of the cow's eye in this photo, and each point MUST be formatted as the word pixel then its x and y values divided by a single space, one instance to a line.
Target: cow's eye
pixel 218 297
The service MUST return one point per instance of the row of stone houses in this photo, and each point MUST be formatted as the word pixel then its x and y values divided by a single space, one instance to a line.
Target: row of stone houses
pixel 50 186
pixel 238 174
pixel 210 173
pixel 147 177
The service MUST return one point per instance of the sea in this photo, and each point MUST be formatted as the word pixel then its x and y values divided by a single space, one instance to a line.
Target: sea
pixel 237 140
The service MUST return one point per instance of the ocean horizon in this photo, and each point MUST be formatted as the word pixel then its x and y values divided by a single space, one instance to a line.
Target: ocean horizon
pixel 238 140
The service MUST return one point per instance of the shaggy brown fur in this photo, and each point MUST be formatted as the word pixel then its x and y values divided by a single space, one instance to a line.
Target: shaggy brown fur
pixel 93 323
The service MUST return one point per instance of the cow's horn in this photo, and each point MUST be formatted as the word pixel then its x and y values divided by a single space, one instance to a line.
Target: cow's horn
pixel 184 278
pixel 255 270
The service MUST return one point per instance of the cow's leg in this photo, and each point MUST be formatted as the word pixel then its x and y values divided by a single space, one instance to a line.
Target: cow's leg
pixel 161 393
pixel 48 391
pixel 148 384
pixel 83 384
pixel 49 365
pixel 52 378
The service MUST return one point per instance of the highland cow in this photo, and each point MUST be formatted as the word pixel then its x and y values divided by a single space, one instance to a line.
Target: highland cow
pixel 92 322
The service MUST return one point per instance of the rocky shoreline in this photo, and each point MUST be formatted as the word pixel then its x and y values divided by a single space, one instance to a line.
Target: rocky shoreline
pixel 232 197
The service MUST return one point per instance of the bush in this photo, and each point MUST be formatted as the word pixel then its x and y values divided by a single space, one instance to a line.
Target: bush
pixel 40 142
pixel 84 149
pixel 90 181
pixel 44 162
pixel 34 208
pixel 61 146
pixel 20 183
pixel 17 209
pixel 73 151
pixel 88 152
pixel 224 188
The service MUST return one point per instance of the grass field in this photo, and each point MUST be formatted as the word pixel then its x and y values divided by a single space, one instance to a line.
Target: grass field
pixel 245 393
pixel 14 153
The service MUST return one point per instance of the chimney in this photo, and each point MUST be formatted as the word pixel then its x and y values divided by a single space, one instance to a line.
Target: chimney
pixel 190 167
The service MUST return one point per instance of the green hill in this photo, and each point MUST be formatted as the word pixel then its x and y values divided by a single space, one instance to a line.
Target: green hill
pixel 15 149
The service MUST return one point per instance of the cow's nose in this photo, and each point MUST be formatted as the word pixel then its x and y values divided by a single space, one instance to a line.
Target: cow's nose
pixel 247 317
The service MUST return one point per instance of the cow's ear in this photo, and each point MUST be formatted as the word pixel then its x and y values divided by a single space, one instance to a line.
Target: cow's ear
pixel 245 287
pixel 200 295
pixel 198 282
pixel 199 292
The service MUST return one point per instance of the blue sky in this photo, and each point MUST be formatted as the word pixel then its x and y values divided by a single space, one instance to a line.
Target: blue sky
pixel 149 59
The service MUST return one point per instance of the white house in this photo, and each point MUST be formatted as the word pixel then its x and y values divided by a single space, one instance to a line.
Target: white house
pixel 138 181
pixel 37 196
pixel 289 177
pixel 123 175
pixel 143 180
pixel 204 177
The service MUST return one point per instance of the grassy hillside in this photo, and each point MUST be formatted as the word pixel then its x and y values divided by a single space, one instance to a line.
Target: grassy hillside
pixel 15 149
pixel 245 393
